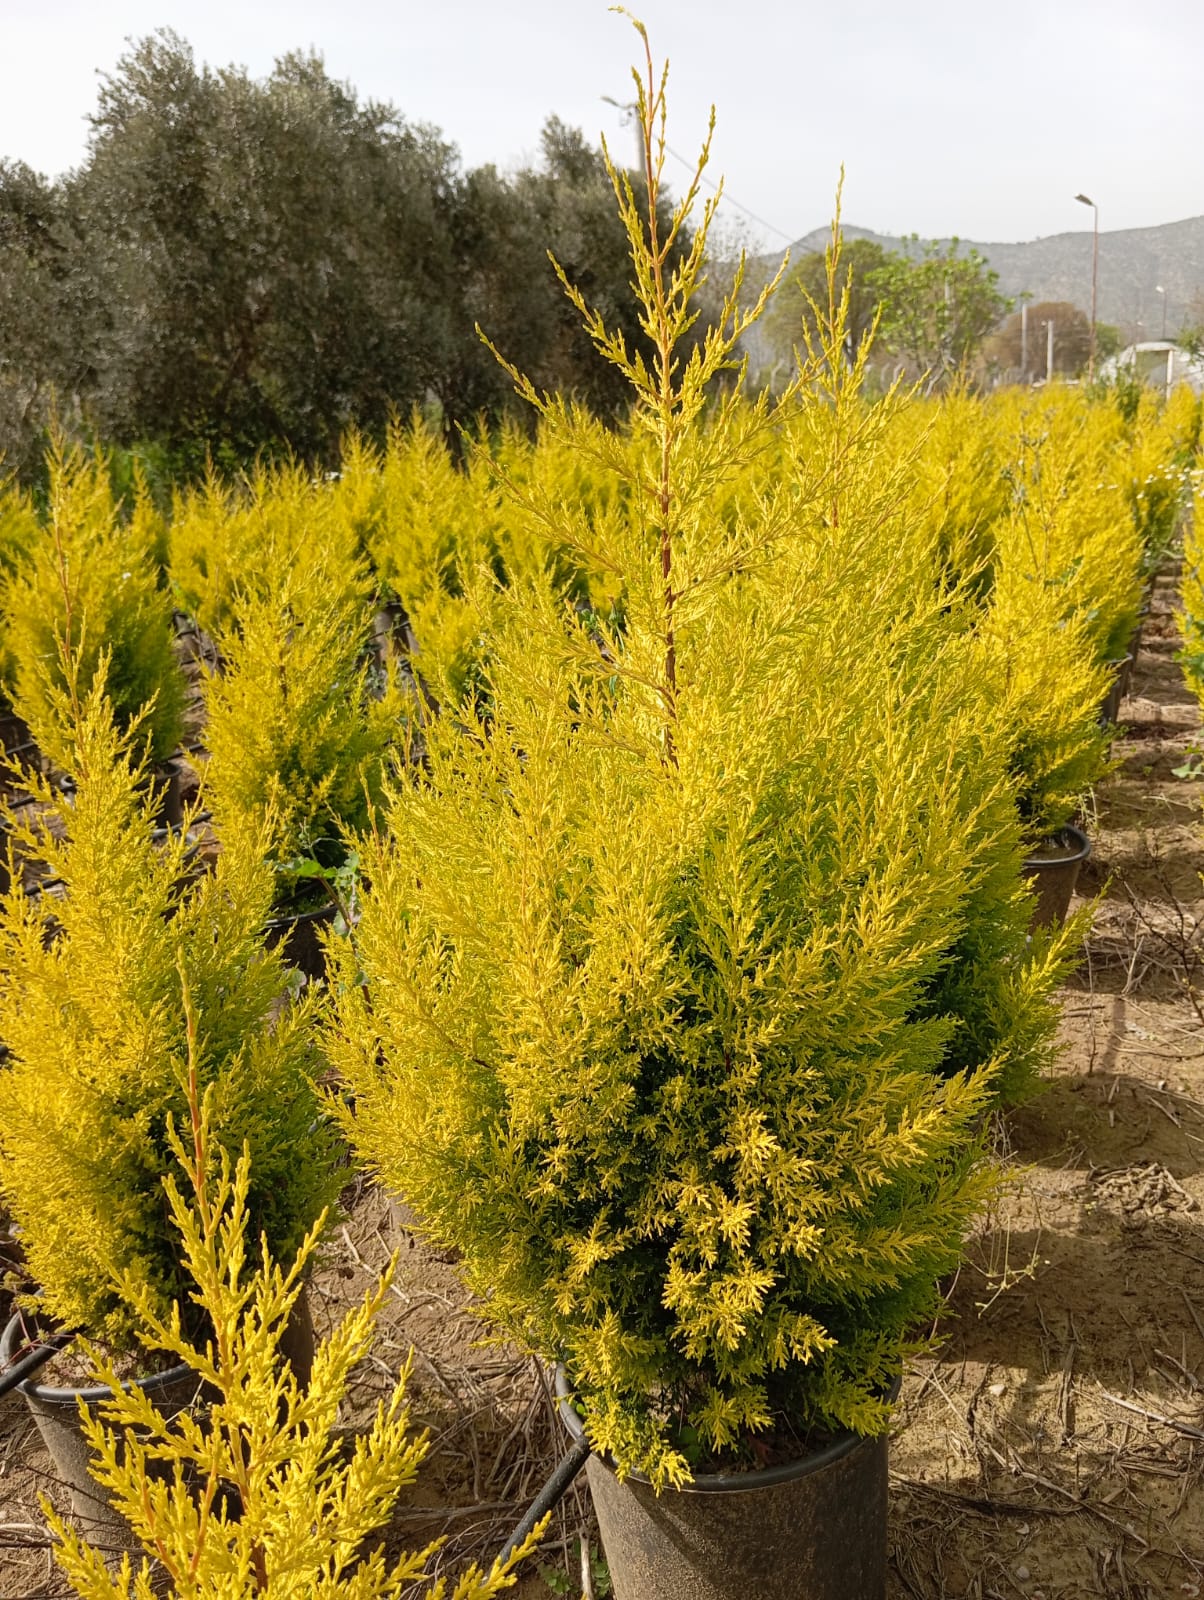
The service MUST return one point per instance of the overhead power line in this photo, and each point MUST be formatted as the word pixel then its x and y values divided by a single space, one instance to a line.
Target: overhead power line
pixel 629 111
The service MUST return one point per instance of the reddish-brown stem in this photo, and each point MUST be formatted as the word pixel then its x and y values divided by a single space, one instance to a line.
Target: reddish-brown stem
pixel 664 361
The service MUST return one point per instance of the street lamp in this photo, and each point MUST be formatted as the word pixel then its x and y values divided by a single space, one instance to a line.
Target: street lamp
pixel 1158 289
pixel 1084 201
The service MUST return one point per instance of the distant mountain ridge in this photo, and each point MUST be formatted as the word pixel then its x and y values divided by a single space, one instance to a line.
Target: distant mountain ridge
pixel 1133 262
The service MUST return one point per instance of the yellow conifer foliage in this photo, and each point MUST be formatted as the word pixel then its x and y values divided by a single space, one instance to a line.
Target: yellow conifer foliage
pixel 90 1013
pixel 298 744
pixel 675 1019
pixel 228 539
pixel 304 1515
pixel 1191 621
pixel 86 587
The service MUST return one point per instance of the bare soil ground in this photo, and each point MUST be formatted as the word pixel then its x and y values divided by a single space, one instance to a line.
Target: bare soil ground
pixel 1053 1446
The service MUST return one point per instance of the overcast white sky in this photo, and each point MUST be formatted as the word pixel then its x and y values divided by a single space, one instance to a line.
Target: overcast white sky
pixel 949 117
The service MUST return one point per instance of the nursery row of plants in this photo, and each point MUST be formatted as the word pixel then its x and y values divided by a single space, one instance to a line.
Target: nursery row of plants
pixel 664 794
pixel 1192 596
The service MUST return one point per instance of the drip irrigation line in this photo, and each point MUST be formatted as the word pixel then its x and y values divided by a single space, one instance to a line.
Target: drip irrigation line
pixel 552 1493
pixel 33 1361
pixel 728 196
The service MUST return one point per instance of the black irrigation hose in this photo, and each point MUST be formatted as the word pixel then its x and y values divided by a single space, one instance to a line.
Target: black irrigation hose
pixel 550 1495
pixel 34 1361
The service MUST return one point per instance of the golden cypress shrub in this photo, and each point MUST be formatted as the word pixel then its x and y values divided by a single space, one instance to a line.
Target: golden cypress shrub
pixel 1191 616
pixel 91 1013
pixel 539 484
pixel 1164 443
pixel 297 743
pixel 442 535
pixel 1069 525
pixel 228 538
pixel 430 538
pixel 86 589
pixel 959 488
pixel 305 1516
pixel 852 468
pixel 18 534
pixel 655 949
pixel 1044 683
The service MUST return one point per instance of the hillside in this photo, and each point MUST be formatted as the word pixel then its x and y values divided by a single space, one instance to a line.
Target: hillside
pixel 1132 261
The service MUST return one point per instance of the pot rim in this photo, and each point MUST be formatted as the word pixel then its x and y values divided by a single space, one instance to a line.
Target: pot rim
pixel 92 1394
pixel 323 913
pixel 1071 835
pixel 726 1482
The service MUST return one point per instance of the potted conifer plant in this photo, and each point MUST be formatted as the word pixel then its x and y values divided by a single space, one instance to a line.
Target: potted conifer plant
pixel 304 1515
pixel 297 742
pixel 1042 683
pixel 85 586
pixel 228 535
pixel 18 533
pixel 652 1009
pixel 134 977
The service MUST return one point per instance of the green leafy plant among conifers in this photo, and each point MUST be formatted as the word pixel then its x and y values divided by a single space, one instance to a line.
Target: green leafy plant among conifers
pixel 93 985
pixel 647 1008
pixel 84 587
pixel 305 1517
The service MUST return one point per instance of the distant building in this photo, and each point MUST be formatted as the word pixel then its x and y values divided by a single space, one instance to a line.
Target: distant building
pixel 1159 362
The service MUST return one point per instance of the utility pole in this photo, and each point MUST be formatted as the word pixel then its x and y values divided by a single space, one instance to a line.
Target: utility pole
pixel 1023 340
pixel 1049 347
pixel 1084 201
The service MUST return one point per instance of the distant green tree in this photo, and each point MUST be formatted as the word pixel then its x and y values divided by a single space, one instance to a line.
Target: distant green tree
pixel 503 234
pixel 244 265
pixel 938 304
pixel 1109 341
pixel 38 350
pixel 806 289
pixel 269 257
pixel 497 283
pixel 1191 328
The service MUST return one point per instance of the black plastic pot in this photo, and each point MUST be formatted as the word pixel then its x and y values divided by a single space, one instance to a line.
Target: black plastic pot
pixel 1054 869
pixel 299 940
pixel 1134 649
pixel 55 1412
pixel 166 788
pixel 14 733
pixel 1109 709
pixel 813 1529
